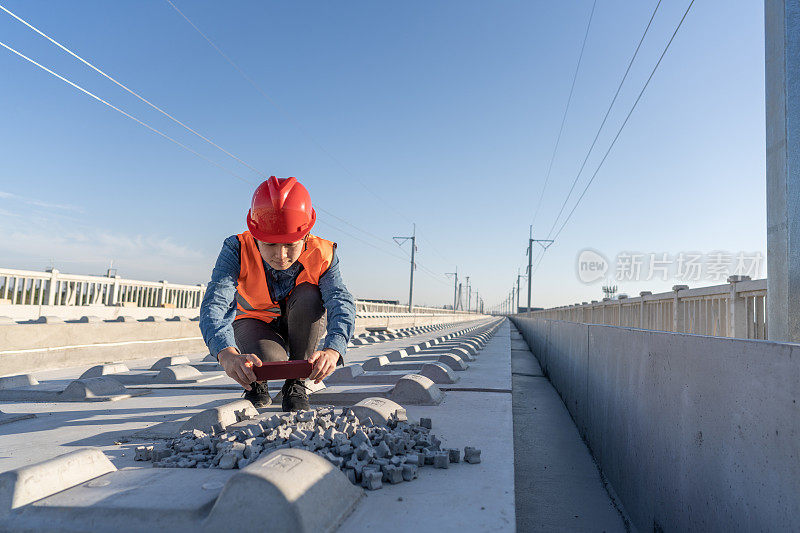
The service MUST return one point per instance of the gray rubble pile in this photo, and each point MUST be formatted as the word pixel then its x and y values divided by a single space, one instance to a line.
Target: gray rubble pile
pixel 369 454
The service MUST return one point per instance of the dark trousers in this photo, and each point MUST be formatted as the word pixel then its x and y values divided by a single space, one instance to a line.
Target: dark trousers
pixel 294 335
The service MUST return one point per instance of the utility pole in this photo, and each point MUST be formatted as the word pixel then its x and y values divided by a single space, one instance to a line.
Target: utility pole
pixel 545 244
pixel 782 61
pixel 469 295
pixel 400 241
pixel 530 267
pixel 518 293
pixel 455 287
pixel 513 294
pixel 477 301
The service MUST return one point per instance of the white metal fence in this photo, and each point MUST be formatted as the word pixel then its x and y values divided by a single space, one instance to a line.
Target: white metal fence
pixel 736 309
pixel 55 290
pixel 363 307
pixel 27 287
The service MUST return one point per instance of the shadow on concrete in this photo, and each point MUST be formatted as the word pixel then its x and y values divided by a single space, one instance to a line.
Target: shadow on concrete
pixel 89 417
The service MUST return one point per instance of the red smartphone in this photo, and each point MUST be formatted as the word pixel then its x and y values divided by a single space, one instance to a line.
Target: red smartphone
pixel 283 370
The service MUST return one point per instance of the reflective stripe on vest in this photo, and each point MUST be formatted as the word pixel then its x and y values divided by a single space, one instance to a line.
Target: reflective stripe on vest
pixel 252 292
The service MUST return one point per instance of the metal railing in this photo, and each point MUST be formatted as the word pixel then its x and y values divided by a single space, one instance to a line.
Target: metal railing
pixel 372 307
pixel 736 309
pixel 53 288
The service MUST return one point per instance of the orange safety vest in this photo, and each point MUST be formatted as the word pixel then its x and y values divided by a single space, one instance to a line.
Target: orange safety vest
pixel 252 293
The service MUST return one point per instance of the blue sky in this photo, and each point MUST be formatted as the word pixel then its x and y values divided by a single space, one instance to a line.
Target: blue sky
pixel 440 113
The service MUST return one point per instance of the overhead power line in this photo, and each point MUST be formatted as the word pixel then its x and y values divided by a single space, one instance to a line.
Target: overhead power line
pixel 294 121
pixel 129 90
pixel 327 223
pixel 283 111
pixel 627 117
pixel 157 108
pixel 622 126
pixel 115 108
pixel 605 118
pixel 566 110
pixel 164 135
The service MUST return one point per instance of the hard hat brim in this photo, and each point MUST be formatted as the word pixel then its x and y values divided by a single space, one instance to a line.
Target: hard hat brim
pixel 282 238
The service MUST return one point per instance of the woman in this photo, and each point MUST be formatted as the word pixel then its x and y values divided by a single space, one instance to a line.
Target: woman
pixel 269 292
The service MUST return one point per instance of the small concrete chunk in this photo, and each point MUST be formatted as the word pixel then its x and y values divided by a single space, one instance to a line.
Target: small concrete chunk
pixel 472 455
pixel 409 471
pixel 392 474
pixel 383 450
pixel 143 453
pixel 441 460
pixel 228 461
pixel 371 480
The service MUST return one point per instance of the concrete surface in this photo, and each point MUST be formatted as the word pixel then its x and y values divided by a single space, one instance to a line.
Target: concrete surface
pixel 117 429
pixel 474 497
pixel 548 453
pixel 26 348
pixel 693 432
pixel 296 491
pixel 558 486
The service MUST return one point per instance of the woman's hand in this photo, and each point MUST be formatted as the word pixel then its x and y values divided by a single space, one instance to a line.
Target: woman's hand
pixel 324 362
pixel 239 366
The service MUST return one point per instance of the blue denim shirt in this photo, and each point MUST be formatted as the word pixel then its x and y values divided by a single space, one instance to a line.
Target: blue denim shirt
pixel 218 309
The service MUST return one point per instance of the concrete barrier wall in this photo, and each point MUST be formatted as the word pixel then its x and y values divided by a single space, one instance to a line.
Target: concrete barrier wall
pixel 693 432
pixel 28 348
pixel 33 347
pixel 19 313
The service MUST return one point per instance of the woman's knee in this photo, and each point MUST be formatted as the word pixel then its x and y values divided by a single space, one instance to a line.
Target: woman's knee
pixel 307 298
pixel 256 337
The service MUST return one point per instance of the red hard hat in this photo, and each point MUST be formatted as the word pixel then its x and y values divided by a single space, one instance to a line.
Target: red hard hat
pixel 281 211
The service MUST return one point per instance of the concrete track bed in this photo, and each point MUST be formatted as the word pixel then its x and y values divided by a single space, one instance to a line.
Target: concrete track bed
pixel 132 498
